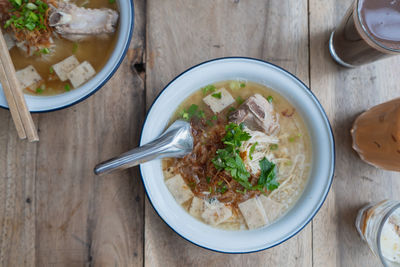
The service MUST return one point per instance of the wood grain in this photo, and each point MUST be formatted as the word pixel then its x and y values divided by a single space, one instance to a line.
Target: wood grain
pixel 345 93
pixel 17 196
pixel 55 212
pixel 184 33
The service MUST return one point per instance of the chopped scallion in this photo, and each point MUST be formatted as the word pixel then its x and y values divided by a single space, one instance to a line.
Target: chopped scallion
pixel 239 100
pixel 74 48
pixel 208 89
pixel 67 87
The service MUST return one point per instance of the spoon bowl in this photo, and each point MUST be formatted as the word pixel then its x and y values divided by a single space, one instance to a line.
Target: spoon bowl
pixel 175 142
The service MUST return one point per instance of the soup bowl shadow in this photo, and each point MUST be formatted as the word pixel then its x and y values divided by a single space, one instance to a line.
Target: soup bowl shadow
pixel 323 155
pixel 39 104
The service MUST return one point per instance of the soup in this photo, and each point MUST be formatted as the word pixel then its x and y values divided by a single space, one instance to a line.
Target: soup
pixel 67 44
pixel 251 157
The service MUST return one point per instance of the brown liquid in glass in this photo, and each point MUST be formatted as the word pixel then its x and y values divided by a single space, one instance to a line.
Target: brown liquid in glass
pixel 369 31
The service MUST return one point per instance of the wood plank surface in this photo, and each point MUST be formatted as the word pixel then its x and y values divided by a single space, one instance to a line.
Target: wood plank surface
pixel 53 210
pixel 184 33
pixel 345 93
pixel 17 196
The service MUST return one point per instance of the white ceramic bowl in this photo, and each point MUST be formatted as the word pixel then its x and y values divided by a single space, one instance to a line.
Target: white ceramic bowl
pixel 56 102
pixel 323 157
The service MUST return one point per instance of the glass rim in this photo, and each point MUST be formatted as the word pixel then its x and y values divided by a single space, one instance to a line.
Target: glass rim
pixel 379 232
pixel 369 35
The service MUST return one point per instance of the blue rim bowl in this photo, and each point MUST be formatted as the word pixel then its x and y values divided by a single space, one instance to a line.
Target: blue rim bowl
pixel 38 104
pixel 323 155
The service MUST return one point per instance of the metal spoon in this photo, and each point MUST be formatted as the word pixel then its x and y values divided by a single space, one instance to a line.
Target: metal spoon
pixel 175 142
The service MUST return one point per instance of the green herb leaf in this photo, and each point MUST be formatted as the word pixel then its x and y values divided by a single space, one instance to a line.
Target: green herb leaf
pixel 242 85
pixel 241 191
pixel 214 118
pixel 217 95
pixel 67 87
pixel 292 139
pixel 209 123
pixel 51 70
pixel 111 1
pixel 74 48
pixel 208 89
pixel 270 99
pixel 222 189
pixel 252 148
pixel 45 51
pixel 268 175
pixel 192 111
pixel 39 90
pixel 228 158
pixel 273 147
pixel 208 179
pixel 239 100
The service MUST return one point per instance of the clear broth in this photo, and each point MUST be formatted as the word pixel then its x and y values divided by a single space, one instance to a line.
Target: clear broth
pixel 290 127
pixel 95 50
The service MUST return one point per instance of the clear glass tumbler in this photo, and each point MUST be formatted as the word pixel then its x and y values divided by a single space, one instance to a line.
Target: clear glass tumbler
pixel 369 31
pixel 379 226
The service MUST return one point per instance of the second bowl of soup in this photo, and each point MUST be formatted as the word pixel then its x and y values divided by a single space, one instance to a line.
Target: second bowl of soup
pixel 64 51
pixel 262 161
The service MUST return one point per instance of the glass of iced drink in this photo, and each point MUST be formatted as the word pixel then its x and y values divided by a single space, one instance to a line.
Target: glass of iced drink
pixel 369 31
pixel 379 226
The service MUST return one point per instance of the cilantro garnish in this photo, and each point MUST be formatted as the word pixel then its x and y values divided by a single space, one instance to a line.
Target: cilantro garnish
pixel 222 189
pixel 228 159
pixel 270 99
pixel 268 176
pixel 217 95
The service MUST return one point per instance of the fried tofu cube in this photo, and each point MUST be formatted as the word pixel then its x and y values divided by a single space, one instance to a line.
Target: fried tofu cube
pixel 28 77
pixel 219 100
pixel 179 189
pixel 81 74
pixel 65 66
pixel 197 206
pixel 272 208
pixel 215 212
pixel 253 213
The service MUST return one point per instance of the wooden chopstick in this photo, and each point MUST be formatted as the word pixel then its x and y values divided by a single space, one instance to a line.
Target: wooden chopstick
pixel 11 104
pixel 12 87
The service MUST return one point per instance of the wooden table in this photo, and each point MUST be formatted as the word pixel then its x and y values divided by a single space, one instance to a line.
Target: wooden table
pixel 55 212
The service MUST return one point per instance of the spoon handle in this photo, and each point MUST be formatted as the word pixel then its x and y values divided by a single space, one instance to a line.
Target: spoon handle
pixel 175 142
